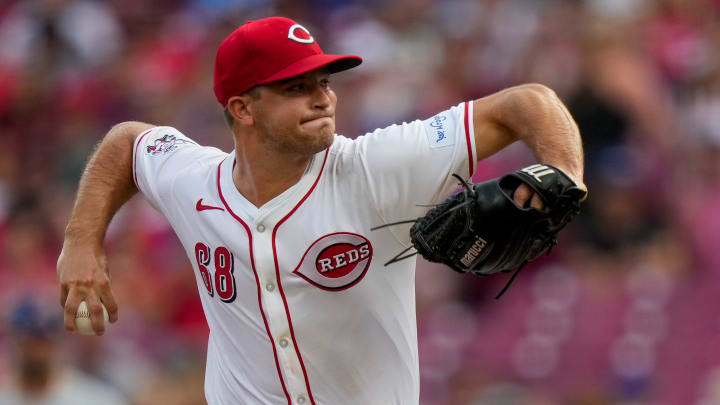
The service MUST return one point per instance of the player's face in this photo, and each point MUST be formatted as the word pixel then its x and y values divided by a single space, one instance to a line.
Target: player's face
pixel 297 115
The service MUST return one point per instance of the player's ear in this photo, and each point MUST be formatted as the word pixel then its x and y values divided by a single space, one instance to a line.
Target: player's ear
pixel 239 108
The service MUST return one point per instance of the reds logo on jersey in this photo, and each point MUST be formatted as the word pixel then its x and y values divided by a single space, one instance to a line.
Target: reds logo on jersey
pixel 336 261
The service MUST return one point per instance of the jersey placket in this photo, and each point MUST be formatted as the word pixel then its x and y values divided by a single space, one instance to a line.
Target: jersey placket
pixel 275 309
pixel 274 305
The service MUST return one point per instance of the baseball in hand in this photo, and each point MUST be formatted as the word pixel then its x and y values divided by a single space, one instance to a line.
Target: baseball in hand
pixel 82 319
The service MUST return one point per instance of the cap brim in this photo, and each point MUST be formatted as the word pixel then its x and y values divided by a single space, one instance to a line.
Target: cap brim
pixel 334 63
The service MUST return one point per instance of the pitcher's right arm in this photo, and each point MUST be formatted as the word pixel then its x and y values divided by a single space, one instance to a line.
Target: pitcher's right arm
pixel 106 184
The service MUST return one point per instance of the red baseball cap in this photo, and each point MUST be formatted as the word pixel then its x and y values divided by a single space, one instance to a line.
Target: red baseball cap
pixel 268 50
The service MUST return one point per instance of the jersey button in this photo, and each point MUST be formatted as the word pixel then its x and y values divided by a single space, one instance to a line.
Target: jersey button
pixel 283 343
pixel 269 286
pixel 260 228
pixel 301 399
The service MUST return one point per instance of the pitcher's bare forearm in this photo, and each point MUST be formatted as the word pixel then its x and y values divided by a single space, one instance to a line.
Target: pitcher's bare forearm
pixel 106 184
pixel 541 121
pixel 533 114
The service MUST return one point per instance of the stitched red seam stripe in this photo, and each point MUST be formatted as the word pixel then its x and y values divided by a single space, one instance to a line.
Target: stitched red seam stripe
pixel 257 282
pixel 277 273
pixel 471 159
pixel 136 156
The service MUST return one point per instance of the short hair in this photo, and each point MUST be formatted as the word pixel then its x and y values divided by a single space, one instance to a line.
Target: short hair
pixel 229 119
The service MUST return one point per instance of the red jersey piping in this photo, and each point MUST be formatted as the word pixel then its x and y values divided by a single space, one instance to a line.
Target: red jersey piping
pixel 471 154
pixel 135 157
pixel 277 273
pixel 257 282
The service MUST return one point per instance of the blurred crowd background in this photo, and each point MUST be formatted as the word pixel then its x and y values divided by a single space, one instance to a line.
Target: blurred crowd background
pixel 625 311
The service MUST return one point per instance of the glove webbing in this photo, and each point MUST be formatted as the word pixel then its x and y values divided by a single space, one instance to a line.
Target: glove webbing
pixel 399 257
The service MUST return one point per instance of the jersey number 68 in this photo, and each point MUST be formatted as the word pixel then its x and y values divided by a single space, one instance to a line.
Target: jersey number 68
pixel 224 279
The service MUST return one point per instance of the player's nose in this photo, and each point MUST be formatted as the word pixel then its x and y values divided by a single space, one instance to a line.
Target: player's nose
pixel 321 98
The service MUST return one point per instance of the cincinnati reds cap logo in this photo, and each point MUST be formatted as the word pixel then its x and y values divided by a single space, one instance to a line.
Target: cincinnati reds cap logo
pixel 291 34
pixel 336 261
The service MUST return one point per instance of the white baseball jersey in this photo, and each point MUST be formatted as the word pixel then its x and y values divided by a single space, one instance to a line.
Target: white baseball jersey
pixel 300 306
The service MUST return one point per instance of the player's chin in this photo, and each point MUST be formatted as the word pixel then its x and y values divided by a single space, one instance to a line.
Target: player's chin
pixel 323 141
pixel 321 137
pixel 326 134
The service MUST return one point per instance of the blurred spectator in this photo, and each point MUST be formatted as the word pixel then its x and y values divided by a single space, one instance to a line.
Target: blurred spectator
pixel 39 374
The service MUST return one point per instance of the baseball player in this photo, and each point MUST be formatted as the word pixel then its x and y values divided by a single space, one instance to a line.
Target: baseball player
pixel 301 309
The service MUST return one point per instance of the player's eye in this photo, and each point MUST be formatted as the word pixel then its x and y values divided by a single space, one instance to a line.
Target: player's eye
pixel 325 83
pixel 297 87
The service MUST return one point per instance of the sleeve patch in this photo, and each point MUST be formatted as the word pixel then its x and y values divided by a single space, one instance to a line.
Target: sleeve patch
pixel 165 144
pixel 440 130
